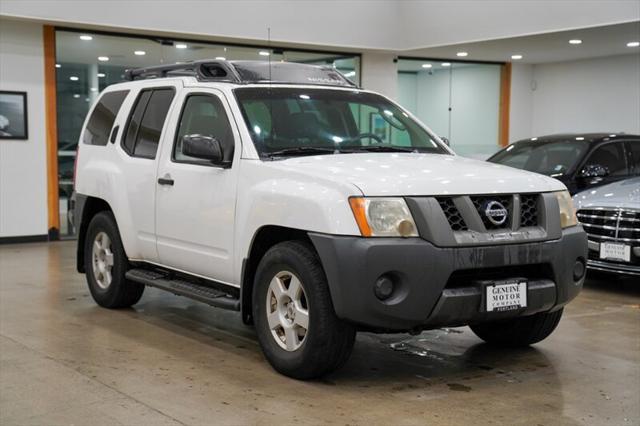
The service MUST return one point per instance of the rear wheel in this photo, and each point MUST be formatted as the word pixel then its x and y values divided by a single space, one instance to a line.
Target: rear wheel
pixel 522 331
pixel 295 321
pixel 106 263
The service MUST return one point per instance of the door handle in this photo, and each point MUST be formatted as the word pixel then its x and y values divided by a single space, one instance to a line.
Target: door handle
pixel 165 180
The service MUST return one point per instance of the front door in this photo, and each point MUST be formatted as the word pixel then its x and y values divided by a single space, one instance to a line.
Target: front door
pixel 195 200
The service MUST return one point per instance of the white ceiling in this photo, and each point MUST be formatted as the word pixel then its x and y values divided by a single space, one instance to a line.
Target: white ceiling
pixel 550 47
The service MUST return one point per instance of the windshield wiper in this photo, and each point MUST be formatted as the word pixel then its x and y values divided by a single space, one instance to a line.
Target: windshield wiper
pixel 380 148
pixel 302 150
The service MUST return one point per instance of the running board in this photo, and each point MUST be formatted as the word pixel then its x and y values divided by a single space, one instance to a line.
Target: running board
pixel 182 287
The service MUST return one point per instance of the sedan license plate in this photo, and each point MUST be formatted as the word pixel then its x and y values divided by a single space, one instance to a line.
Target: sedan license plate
pixel 615 251
pixel 506 296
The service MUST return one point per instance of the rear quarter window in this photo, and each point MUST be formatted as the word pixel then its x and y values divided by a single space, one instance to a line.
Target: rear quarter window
pixel 102 118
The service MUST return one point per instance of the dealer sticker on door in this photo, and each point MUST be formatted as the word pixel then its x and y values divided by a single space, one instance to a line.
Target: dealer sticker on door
pixel 506 296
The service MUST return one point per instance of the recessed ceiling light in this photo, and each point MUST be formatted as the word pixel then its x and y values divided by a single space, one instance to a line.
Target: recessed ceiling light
pixel 86 37
pixel 263 53
pixel 633 44
pixel 612 135
pixel 220 58
pixel 181 46
pixel 534 139
pixel 462 54
pixel 76 96
pixel 575 41
pixel 74 78
pixel 139 53
pixel 58 66
pixel 580 138
pixel 516 57
pixel 446 64
pixel 103 58
pixel 426 65
pixel 101 75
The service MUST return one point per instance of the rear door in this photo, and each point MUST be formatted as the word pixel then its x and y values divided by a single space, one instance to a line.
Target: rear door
pixel 613 157
pixel 195 201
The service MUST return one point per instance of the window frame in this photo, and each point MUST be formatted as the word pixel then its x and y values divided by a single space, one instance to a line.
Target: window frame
pixel 125 129
pixel 177 129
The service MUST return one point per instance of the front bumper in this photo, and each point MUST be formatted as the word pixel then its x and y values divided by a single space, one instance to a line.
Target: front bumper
pixel 617 267
pixel 443 286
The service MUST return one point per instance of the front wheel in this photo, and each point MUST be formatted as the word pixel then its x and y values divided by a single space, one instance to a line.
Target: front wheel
pixel 522 331
pixel 295 321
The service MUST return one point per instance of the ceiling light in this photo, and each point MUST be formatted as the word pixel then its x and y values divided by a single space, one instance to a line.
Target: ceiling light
pixel 139 53
pixel 86 37
pixel 103 58
pixel 263 53
pixel 575 41
pixel 462 54
pixel 446 64
pixel 633 44
pixel 534 139
pixel 181 46
pixel 305 97
pixel 426 65
pixel 612 135
pixel 74 78
pixel 58 66
pixel 516 57
pixel 101 75
pixel 76 96
pixel 221 58
pixel 580 138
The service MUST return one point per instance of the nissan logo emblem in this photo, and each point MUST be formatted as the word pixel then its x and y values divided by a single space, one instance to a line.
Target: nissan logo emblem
pixel 496 212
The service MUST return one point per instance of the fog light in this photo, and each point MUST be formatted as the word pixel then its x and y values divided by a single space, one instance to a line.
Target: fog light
pixel 383 288
pixel 578 270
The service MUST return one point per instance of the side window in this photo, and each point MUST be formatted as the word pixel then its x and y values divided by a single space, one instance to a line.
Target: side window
pixel 612 157
pixel 146 122
pixel 204 115
pixel 635 156
pixel 102 118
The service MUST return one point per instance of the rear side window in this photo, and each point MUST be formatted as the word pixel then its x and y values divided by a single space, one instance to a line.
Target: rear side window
pixel 635 153
pixel 102 118
pixel 611 156
pixel 146 121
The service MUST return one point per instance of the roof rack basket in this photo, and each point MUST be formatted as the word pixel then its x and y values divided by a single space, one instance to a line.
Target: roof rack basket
pixel 204 70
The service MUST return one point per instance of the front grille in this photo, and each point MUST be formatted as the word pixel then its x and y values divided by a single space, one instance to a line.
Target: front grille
pixel 611 224
pixel 480 204
pixel 529 210
pixel 450 210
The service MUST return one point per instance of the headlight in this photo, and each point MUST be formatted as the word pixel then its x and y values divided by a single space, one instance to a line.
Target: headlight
pixel 383 217
pixel 567 210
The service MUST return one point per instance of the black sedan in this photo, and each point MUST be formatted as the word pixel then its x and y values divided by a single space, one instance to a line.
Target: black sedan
pixel 580 161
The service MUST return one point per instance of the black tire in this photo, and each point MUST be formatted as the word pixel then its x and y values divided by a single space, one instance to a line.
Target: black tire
pixel 517 332
pixel 328 341
pixel 121 293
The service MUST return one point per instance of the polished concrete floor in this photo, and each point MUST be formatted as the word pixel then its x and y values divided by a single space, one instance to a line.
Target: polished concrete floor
pixel 64 360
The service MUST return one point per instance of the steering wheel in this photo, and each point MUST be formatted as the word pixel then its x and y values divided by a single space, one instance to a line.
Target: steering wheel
pixel 352 141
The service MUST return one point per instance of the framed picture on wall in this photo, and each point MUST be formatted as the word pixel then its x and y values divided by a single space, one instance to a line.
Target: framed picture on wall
pixel 13 115
pixel 379 126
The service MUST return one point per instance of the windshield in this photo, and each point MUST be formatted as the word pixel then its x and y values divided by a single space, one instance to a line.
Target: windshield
pixel 291 121
pixel 548 158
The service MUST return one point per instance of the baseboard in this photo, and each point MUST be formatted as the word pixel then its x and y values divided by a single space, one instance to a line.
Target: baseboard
pixel 24 239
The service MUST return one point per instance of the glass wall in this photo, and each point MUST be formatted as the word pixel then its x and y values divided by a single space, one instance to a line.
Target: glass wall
pixel 86 63
pixel 457 100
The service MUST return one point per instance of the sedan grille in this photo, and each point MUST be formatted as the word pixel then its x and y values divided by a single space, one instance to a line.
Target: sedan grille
pixel 611 224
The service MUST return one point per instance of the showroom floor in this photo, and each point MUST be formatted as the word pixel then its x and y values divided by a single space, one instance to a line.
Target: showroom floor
pixel 63 360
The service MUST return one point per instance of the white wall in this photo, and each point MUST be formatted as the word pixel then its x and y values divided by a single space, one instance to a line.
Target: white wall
pixel 23 168
pixel 595 95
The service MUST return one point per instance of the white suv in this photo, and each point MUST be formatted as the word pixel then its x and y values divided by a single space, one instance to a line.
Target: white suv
pixel 314 208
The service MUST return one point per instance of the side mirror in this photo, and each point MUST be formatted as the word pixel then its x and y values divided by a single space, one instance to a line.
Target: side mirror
pixel 204 147
pixel 594 171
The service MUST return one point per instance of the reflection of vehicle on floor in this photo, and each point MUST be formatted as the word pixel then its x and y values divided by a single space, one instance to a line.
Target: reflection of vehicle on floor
pixel 611 216
pixel 580 161
pixel 263 188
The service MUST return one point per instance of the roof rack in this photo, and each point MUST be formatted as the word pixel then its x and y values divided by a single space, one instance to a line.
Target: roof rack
pixel 203 70
pixel 246 72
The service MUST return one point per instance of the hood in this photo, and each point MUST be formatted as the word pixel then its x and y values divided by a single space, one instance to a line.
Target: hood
pixel 408 174
pixel 622 194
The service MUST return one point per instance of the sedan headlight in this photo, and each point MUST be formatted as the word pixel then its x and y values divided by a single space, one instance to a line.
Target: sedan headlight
pixel 383 217
pixel 567 209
